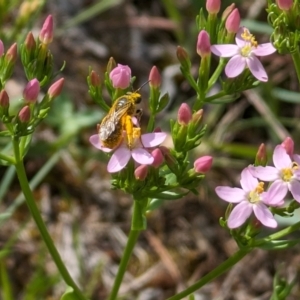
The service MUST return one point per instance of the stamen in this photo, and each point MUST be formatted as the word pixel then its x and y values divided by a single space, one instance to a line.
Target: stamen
pixel 248 37
pixel 254 196
pixel 286 174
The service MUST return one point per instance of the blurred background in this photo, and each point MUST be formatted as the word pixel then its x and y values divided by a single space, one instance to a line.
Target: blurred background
pixel 88 220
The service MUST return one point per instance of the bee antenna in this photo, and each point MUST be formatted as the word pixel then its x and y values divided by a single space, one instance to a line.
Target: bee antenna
pixel 142 85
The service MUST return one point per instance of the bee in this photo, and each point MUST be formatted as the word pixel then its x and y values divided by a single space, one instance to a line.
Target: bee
pixel 119 119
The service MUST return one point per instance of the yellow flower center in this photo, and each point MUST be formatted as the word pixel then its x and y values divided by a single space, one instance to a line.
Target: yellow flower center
pixel 287 173
pixel 250 43
pixel 254 196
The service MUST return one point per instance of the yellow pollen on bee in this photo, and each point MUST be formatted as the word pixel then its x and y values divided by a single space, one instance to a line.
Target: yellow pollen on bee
pixel 254 196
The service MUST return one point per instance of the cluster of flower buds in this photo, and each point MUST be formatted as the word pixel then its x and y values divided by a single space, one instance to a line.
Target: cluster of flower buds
pixel 284 17
pixel 32 110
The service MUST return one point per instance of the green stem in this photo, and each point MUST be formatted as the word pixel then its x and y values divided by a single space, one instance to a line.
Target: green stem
pixel 214 77
pixel 296 60
pixel 40 223
pixel 7 158
pixel 222 268
pixel 138 223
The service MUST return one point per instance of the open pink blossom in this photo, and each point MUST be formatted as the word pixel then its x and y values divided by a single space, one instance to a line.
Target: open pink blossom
pixel 139 153
pixel 244 55
pixel 285 174
pixel 251 198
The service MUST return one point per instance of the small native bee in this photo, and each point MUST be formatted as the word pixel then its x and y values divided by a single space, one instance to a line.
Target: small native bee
pixel 119 119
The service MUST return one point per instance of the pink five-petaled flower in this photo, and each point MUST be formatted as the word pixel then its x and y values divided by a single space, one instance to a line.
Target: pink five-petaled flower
pixel 122 154
pixel 285 174
pixel 120 76
pixel 244 54
pixel 251 197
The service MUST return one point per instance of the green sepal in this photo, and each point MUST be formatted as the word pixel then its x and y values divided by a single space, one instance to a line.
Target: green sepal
pixel 168 195
pixel 278 244
pixel 163 102
pixel 69 294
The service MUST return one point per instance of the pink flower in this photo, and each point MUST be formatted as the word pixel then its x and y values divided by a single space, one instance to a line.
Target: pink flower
pixel 251 198
pixel 122 154
pixel 184 115
pixel 233 21
pixel 120 76
pixel 154 78
pixel 285 174
pixel 203 44
pixel 285 4
pixel 31 91
pixel 288 145
pixel 46 33
pixel 244 55
pixel 203 164
pixel 1 48
pixel 213 6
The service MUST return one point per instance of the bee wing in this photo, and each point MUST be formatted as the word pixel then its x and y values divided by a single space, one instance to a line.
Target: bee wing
pixel 108 124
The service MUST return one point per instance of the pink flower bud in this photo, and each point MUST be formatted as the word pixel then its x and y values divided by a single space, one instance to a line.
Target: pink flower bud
pixel 158 158
pixel 95 79
pixel 4 99
pixel 30 43
pixel 56 88
pixel 154 78
pixel 46 33
pixel 203 44
pixel 285 4
pixel 288 145
pixel 120 76
pixel 203 164
pixel 213 6
pixel 11 54
pixel 141 172
pixel 24 114
pixel 184 114
pixel 232 24
pixel 111 65
pixel 182 56
pixel 1 48
pixel 228 11
pixel 197 116
pixel 261 155
pixel 31 91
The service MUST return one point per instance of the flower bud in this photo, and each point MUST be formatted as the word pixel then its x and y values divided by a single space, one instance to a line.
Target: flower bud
pixel 261 156
pixel 203 164
pixel 24 114
pixel 56 88
pixel 1 48
pixel 227 11
pixel 4 99
pixel 232 24
pixel 46 33
pixel 197 116
pixel 11 54
pixel 284 4
pixel 30 43
pixel 183 57
pixel 203 44
pixel 111 65
pixel 184 115
pixel 213 6
pixel 120 76
pixel 158 158
pixel 141 172
pixel 288 145
pixel 31 91
pixel 95 79
pixel 154 78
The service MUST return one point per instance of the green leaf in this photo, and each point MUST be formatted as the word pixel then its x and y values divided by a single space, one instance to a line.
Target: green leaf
pixel 279 244
pixel 69 294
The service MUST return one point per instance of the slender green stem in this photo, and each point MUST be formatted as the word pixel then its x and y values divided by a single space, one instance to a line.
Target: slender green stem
pixel 222 268
pixel 6 181
pixel 216 74
pixel 296 59
pixel 40 223
pixel 138 223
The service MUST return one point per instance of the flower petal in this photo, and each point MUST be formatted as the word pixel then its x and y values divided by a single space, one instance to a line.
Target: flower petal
pixel 229 194
pixel 294 187
pixel 153 139
pixel 281 159
pixel 95 141
pixel 119 160
pixel 239 214
pixel 264 49
pixel 142 156
pixel 256 68
pixel 265 173
pixel 275 194
pixel 248 182
pixel 296 158
pixel 297 174
pixel 263 214
pixel 235 66
pixel 226 50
